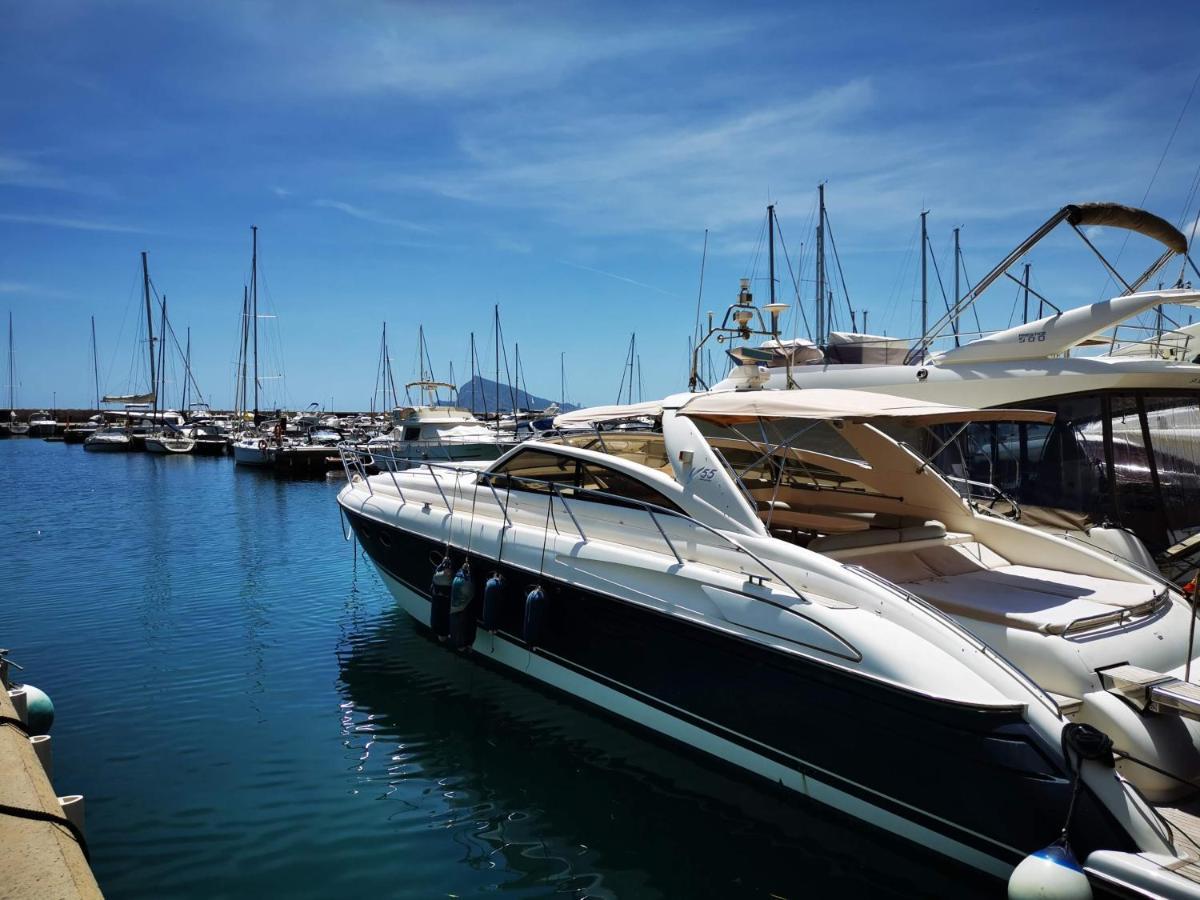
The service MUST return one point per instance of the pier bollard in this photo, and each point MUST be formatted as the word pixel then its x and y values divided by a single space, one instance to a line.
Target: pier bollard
pixel 20 702
pixel 72 807
pixel 41 746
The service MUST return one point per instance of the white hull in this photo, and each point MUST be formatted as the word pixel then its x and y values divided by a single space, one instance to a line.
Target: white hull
pixel 253 453
pixel 169 446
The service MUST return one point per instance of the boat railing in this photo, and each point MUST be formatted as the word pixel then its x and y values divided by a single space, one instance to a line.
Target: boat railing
pixel 1157 338
pixel 355 461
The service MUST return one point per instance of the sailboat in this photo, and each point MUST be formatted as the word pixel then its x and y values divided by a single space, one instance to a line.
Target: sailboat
pixel 119 438
pixel 254 447
pixel 78 432
pixel 12 428
pixel 166 437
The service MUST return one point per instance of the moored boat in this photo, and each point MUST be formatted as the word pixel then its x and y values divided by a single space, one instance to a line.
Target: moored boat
pixel 819 606
pixel 42 424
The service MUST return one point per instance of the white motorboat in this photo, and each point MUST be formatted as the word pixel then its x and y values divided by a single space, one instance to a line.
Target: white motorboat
pixel 1120 459
pixel 828 614
pixel 109 439
pixel 435 432
pixel 42 424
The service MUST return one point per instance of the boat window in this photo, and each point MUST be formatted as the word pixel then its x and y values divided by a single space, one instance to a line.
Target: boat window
pixel 1127 457
pixel 1061 465
pixel 596 477
pixel 540 466
pixel 569 474
pixel 412 433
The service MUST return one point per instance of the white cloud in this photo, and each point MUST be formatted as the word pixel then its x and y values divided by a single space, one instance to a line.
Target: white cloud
pixel 18 172
pixel 438 51
pixel 77 224
pixel 367 215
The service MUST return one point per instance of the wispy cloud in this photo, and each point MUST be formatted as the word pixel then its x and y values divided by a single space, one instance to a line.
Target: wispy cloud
pixel 367 215
pixel 22 288
pixel 437 51
pixel 16 171
pixel 617 277
pixel 77 224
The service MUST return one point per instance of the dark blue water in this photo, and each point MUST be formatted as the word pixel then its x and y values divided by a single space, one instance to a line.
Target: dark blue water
pixel 249 715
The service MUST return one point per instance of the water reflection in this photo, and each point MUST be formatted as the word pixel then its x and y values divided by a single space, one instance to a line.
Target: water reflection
pixel 535 792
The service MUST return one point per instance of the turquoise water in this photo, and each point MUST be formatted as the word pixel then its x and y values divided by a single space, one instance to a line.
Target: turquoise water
pixel 249 715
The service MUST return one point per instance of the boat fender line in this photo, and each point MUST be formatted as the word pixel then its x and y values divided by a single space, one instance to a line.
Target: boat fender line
pixel 462 595
pixel 38 815
pixel 535 611
pixel 493 599
pixel 1053 871
pixel 439 611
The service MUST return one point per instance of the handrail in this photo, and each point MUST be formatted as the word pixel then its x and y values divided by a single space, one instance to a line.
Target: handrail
pixel 555 489
pixel 1124 560
pixel 1118 616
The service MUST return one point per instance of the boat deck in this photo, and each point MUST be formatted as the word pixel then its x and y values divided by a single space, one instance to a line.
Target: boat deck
pixel 1184 820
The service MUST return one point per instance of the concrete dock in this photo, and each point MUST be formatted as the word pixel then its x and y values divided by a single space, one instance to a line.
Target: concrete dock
pixel 38 859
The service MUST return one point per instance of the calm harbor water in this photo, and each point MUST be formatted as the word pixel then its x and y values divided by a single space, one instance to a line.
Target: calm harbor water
pixel 249 715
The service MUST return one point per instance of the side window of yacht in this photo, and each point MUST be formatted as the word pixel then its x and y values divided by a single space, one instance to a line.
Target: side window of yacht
pixel 540 467
pixel 596 477
pixel 412 433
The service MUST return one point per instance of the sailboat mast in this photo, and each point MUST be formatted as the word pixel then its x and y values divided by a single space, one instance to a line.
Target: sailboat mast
pixel 771 248
pixel 187 372
pixel 162 359
pixel 496 311
pixel 954 321
pixel 562 379
pixel 95 365
pixel 1025 281
pixel 243 361
pixel 12 377
pixel 820 336
pixel 924 279
pixel 149 323
pixel 254 309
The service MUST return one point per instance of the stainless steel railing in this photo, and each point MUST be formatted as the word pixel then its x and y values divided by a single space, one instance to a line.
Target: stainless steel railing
pixel 355 460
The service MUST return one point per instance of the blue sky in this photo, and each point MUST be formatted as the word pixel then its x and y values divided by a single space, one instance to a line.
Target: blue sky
pixel 421 162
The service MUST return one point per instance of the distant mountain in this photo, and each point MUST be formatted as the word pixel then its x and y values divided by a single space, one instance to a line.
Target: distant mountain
pixel 479 394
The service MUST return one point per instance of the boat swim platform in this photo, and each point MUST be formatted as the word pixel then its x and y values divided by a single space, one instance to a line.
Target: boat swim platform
pixel 38 858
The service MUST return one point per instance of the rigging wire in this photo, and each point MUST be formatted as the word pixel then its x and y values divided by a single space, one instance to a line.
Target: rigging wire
pixel 1170 139
pixel 838 261
pixel 792 274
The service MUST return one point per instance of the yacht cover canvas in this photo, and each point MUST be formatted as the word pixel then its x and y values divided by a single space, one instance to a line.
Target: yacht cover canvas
pixel 1114 215
pixel 735 407
pixel 615 413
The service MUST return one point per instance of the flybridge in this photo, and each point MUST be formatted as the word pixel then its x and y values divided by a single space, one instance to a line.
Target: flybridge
pixel 1112 215
pixel 1060 333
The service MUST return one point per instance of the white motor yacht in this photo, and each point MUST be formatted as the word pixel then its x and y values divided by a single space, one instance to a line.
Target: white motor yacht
pixel 777 582
pixel 1121 459
pixel 42 424
pixel 443 433
pixel 109 438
